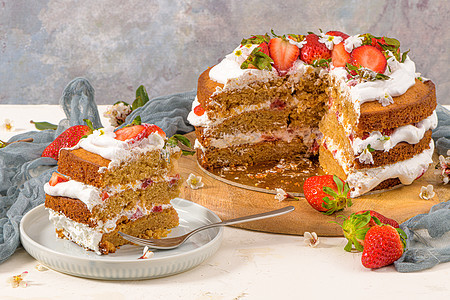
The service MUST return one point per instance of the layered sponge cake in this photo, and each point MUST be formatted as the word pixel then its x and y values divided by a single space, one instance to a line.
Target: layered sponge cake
pixel 115 181
pixel 354 101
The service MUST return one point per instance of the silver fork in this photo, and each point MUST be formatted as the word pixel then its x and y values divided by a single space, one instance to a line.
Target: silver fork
pixel 171 243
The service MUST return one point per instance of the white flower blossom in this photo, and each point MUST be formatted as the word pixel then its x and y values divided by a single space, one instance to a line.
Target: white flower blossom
pixel 353 42
pixel 194 182
pixel 298 44
pixel 281 195
pixel 385 100
pixel 426 193
pixel 444 167
pixel 8 125
pixel 117 113
pixel 329 40
pixel 146 253
pixel 18 280
pixel 311 239
pixel 366 156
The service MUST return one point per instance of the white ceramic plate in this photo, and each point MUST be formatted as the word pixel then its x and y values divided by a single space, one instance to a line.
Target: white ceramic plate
pixel 38 237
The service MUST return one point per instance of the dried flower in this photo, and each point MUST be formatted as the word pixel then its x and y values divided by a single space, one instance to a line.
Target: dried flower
pixel 41 268
pixel 8 125
pixel 17 280
pixel 311 239
pixel 283 195
pixel 366 155
pixel 426 193
pixel 444 167
pixel 117 113
pixel 194 182
pixel 146 253
pixel 386 100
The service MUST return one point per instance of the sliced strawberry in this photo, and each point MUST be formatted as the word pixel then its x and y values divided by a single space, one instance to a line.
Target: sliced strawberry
pixel 314 50
pixel 151 128
pixel 369 57
pixel 129 132
pixel 138 132
pixel 338 33
pixel 104 195
pixel 199 110
pixel 57 178
pixel 376 43
pixel 283 53
pixel 339 56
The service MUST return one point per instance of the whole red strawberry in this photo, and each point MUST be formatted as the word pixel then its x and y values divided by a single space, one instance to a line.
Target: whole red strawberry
pixel 383 219
pixel 383 245
pixel 327 193
pixel 283 54
pixel 339 56
pixel 67 139
pixel 314 50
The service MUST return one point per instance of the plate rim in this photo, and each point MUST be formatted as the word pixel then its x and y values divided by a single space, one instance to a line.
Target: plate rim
pixel 24 236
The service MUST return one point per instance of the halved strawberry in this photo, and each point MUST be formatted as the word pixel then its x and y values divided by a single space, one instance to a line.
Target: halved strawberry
pixel 314 50
pixel 264 48
pixel 138 132
pixel 339 56
pixel 327 193
pixel 283 53
pixel 57 178
pixel 338 33
pixel 199 110
pixel 369 57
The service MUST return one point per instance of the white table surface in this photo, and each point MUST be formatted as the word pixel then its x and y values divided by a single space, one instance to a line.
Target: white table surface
pixel 248 265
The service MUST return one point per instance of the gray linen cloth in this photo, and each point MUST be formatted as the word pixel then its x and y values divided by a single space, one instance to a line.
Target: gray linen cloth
pixel 23 172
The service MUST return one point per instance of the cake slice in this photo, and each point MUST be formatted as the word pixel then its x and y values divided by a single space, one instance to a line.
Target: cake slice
pixel 115 181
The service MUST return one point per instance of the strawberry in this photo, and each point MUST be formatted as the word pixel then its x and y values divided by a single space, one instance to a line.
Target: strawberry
pixel 67 139
pixel 327 193
pixel 339 56
pixel 138 132
pixel 380 217
pixel 369 57
pixel 283 54
pixel 338 33
pixel 377 41
pixel 383 245
pixel 104 195
pixel 264 48
pixel 199 110
pixel 314 50
pixel 57 178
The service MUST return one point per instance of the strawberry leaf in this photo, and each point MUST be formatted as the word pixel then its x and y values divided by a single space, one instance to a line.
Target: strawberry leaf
pixel 44 125
pixel 141 97
pixel 330 191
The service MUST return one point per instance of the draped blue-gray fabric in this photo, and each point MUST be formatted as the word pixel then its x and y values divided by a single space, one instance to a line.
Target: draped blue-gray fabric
pixel 23 171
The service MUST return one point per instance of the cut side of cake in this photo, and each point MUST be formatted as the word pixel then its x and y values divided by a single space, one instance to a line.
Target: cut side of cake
pixel 354 101
pixel 105 185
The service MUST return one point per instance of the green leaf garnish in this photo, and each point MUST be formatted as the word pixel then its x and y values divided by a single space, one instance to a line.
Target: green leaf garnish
pixel 141 97
pixel 256 39
pixel 258 59
pixel 178 138
pixel 44 125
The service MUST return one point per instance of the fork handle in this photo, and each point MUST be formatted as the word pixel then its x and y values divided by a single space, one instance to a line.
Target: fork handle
pixel 265 215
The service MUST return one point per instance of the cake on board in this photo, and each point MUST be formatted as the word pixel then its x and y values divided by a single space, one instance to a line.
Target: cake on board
pixel 355 102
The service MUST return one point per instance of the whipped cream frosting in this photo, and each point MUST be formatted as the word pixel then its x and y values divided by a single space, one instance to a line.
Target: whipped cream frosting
pixel 407 171
pixel 90 237
pixel 88 194
pixel 102 142
pixel 411 134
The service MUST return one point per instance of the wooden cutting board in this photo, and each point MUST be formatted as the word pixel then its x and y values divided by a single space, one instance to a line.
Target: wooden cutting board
pixel 229 201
